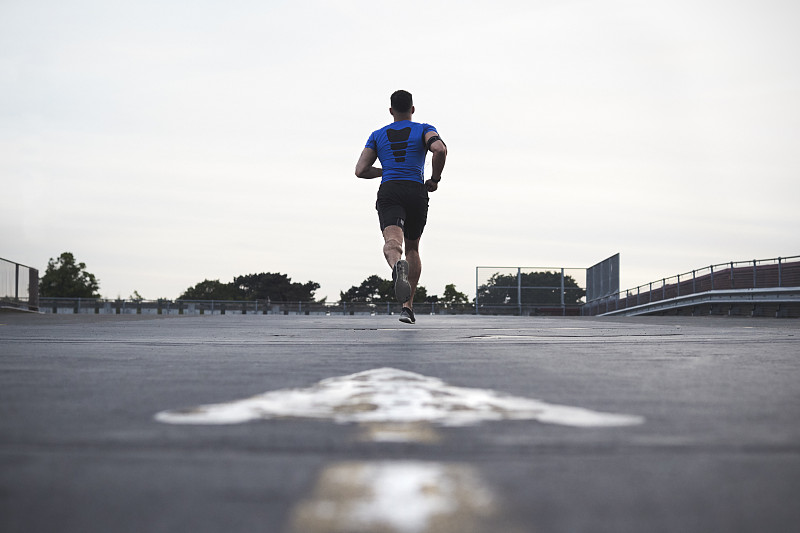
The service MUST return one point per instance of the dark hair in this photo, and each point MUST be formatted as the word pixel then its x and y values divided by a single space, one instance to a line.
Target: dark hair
pixel 401 101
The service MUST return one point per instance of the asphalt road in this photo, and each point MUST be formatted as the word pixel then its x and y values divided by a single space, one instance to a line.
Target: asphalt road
pixel 716 448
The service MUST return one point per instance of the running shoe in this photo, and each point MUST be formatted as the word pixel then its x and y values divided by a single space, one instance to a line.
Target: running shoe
pixel 402 288
pixel 407 316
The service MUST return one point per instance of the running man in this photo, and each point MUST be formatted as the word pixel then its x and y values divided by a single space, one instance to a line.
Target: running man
pixel 403 195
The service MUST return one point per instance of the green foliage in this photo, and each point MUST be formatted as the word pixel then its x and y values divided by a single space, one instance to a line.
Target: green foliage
pixel 538 288
pixel 136 297
pixel 421 296
pixel 375 289
pixel 210 290
pixel 453 297
pixel 66 278
pixel 275 287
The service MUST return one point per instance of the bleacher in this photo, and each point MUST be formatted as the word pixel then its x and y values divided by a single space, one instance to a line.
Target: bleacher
pixel 755 288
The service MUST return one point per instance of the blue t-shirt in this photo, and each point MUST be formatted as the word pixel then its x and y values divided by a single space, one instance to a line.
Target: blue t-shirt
pixel 401 149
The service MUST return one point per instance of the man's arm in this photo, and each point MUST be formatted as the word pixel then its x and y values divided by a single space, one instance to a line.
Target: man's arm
pixel 437 160
pixel 364 168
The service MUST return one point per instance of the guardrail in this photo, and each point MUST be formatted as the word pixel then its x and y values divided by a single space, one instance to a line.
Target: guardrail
pixel 740 276
pixel 19 286
pixel 235 307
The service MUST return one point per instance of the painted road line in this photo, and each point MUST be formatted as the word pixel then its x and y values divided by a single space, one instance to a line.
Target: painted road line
pixel 618 337
pixel 392 396
pixel 419 432
pixel 398 497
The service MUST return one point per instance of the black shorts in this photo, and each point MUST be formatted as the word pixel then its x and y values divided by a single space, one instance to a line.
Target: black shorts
pixel 403 203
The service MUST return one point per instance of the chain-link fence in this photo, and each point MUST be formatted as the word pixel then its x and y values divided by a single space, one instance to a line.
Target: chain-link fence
pixel 19 285
pixel 529 290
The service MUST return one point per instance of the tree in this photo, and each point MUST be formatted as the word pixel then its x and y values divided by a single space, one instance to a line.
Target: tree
pixel 265 286
pixel 210 290
pixel 453 297
pixel 66 278
pixel 275 287
pixel 538 288
pixel 136 297
pixel 421 296
pixel 375 289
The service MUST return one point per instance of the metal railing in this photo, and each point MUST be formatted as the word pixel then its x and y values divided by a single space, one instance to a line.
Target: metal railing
pixel 19 285
pixel 236 307
pixel 775 273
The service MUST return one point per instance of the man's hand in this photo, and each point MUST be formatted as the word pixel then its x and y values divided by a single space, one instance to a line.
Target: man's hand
pixel 432 185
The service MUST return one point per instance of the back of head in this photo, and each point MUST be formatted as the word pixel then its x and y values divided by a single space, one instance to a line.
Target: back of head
pixel 401 101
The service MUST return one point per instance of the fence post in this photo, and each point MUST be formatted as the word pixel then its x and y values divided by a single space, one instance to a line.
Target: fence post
pixel 33 289
pixel 779 273
pixel 563 306
pixel 519 290
pixel 712 277
pixel 679 284
pixel 477 312
pixel 16 282
pixel 732 282
pixel 755 279
pixel 694 282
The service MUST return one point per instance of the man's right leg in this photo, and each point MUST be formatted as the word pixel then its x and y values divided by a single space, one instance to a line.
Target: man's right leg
pixel 393 252
pixel 393 244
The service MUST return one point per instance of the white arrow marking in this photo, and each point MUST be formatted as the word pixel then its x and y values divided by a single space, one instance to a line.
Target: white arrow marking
pixel 388 395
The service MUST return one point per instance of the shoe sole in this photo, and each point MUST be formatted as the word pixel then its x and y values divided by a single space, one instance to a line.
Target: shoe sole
pixel 407 320
pixel 402 288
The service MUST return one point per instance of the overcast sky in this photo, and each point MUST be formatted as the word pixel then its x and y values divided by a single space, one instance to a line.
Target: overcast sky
pixel 168 142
